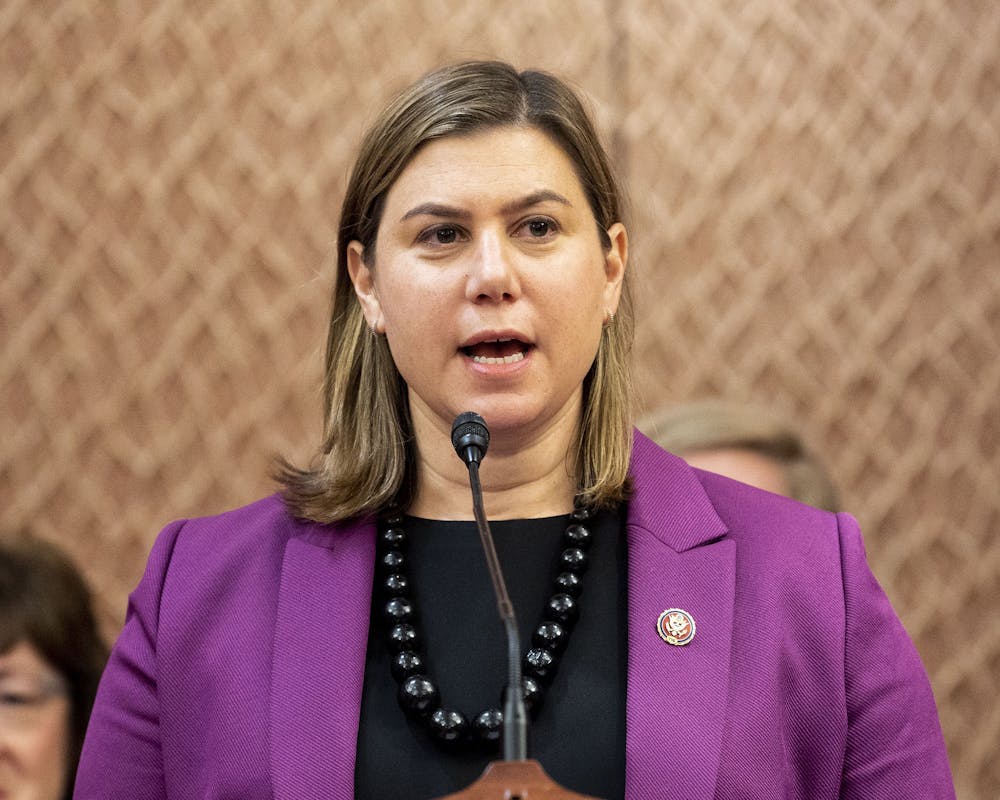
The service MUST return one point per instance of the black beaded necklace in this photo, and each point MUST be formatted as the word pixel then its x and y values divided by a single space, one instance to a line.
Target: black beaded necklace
pixel 418 695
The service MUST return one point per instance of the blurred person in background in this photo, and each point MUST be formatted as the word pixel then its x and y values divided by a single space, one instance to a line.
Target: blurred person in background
pixel 745 442
pixel 51 657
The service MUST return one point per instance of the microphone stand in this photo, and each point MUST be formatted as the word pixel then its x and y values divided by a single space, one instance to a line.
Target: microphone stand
pixel 515 776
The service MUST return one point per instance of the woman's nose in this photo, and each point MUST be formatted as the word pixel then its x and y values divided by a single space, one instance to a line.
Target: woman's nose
pixel 492 272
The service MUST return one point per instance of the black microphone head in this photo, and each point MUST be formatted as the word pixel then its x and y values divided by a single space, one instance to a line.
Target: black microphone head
pixel 470 437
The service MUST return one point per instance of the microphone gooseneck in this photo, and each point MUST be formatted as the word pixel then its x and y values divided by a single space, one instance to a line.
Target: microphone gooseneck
pixel 471 438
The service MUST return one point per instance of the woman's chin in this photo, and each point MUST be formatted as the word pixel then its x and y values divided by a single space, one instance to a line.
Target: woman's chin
pixel 519 423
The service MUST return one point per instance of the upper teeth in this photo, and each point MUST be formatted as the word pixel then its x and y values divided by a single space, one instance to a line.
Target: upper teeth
pixel 504 360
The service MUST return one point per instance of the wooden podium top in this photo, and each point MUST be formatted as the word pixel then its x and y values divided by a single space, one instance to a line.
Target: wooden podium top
pixel 515 780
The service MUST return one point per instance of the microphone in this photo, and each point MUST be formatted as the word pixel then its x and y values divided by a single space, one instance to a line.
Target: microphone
pixel 471 438
pixel 515 776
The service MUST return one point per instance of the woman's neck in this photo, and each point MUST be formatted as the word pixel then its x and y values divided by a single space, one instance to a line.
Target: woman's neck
pixel 524 475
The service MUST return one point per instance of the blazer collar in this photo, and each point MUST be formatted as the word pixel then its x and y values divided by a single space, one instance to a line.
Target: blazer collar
pixel 679 557
pixel 669 501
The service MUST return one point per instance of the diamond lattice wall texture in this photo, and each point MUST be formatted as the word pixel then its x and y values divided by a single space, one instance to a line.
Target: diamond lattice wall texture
pixel 815 226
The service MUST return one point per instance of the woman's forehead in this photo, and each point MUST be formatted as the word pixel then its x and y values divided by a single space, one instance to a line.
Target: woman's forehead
pixel 22 658
pixel 507 164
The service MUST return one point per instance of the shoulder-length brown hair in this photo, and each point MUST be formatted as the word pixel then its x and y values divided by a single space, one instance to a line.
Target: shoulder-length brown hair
pixel 367 457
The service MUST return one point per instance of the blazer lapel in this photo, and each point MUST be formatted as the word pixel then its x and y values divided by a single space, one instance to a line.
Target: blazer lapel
pixel 319 658
pixel 678 558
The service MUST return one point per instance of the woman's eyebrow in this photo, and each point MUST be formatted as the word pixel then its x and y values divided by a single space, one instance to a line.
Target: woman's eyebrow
pixel 436 210
pixel 451 212
pixel 533 199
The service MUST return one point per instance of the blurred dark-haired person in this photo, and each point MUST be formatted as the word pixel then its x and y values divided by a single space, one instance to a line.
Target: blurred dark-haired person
pixel 745 442
pixel 51 657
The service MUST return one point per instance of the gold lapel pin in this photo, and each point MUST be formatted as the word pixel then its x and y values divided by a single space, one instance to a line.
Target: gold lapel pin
pixel 675 627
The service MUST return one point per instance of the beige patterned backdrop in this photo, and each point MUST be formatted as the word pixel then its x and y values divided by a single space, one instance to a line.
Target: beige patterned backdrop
pixel 816 226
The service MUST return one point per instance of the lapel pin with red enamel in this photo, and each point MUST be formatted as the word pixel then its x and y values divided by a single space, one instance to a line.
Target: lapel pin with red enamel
pixel 675 627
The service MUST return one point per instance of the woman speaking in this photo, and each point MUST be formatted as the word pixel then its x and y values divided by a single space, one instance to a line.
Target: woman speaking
pixel 685 636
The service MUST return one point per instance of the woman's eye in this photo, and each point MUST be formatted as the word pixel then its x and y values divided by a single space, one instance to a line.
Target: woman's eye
pixel 15 699
pixel 442 235
pixel 539 228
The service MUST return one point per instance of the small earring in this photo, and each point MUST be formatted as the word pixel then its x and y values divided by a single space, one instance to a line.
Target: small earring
pixel 610 319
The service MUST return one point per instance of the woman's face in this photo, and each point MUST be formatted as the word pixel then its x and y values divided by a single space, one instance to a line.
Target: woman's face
pixel 34 727
pixel 490 281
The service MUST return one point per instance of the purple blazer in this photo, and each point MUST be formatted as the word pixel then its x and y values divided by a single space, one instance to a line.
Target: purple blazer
pixel 238 673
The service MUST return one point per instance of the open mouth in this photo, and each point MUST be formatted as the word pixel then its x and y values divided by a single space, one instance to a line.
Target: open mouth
pixel 497 351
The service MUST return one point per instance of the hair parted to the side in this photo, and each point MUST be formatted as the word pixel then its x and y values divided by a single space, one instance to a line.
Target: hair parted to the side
pixel 367 456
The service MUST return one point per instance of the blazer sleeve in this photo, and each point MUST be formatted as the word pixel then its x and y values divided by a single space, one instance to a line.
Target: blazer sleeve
pixel 122 757
pixel 894 743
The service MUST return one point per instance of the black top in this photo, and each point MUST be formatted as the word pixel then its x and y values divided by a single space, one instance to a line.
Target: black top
pixel 579 733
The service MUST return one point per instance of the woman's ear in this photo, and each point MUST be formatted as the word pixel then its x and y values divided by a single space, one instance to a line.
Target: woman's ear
pixel 615 264
pixel 364 286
